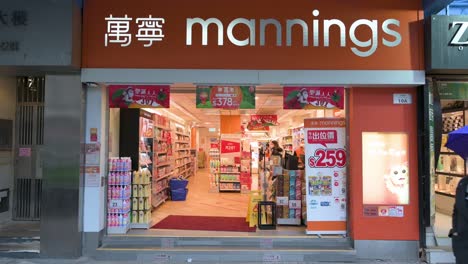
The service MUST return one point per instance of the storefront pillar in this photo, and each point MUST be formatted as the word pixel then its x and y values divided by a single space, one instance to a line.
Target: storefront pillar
pixel 377 233
pixel 95 167
pixel 61 212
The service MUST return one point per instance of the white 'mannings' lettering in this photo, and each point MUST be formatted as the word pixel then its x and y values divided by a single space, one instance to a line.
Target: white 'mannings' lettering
pixel 361 47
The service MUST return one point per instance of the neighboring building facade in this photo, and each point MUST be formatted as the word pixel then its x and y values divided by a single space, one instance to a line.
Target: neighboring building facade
pixel 40 49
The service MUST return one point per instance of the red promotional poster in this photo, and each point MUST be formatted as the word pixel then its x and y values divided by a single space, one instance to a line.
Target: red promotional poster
pixel 313 97
pixel 139 96
pixel 229 146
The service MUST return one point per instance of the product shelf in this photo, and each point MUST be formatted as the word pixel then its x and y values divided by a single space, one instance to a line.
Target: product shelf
pixel 229 181
pixel 182 141
pixel 158 203
pixel 158 191
pixel 160 152
pixel 118 229
pixel 450 174
pixel 182 149
pixel 229 190
pixel 162 127
pixel 182 134
pixel 142 225
pixel 228 172
pixel 445 194
pixel 164 176
pixel 167 163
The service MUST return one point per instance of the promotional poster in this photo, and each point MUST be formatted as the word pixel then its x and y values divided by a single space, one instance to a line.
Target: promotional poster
pixel 326 159
pixel 385 168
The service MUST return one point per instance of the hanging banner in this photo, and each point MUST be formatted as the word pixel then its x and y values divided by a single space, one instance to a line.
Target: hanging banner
pixel 265 120
pixel 325 152
pixel 226 97
pixel 139 96
pixel 229 146
pixel 313 97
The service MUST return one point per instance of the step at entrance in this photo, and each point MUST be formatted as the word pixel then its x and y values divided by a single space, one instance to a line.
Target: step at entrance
pixel 225 249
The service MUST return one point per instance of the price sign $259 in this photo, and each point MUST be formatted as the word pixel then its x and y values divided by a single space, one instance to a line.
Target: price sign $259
pixel 328 158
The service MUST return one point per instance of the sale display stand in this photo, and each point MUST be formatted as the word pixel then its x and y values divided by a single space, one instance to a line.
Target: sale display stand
pixel 326 175
pixel 141 199
pixel 229 170
pixel 289 197
pixel 118 194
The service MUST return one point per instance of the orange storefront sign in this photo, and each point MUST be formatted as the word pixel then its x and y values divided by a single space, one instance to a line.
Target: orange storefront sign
pixel 260 34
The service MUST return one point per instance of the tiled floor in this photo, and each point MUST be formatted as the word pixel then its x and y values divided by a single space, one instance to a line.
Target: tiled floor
pixel 201 202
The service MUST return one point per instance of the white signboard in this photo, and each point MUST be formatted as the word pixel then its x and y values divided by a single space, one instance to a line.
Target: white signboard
pixel 326 159
pixel 402 99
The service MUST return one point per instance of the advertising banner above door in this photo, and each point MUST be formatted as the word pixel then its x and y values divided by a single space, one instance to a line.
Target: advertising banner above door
pixel 226 97
pixel 139 96
pixel 243 34
pixel 313 97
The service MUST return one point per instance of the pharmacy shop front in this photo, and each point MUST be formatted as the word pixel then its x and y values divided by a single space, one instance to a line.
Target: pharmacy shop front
pixel 172 88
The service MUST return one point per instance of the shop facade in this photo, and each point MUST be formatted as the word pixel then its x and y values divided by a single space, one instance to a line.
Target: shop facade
pixel 444 105
pixel 39 71
pixel 373 50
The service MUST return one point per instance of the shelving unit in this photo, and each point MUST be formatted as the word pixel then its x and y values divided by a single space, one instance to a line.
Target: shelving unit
pixel 214 155
pixel 287 144
pixel 183 161
pixel 451 168
pixel 229 177
pixel 119 192
pixel 163 159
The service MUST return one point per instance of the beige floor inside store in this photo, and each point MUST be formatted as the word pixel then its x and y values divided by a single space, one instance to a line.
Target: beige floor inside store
pixel 201 202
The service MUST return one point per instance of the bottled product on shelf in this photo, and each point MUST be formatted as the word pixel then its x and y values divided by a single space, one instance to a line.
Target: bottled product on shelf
pixel 229 174
pixel 118 195
pixel 141 199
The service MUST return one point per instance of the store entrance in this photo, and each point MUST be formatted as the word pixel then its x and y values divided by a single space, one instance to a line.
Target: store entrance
pixel 194 171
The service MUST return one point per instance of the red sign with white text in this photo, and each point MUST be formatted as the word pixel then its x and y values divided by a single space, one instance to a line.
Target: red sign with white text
pixel 139 96
pixel 322 137
pixel 229 146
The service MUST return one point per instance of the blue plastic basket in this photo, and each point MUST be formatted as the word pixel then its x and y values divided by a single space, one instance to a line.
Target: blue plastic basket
pixel 176 184
pixel 179 194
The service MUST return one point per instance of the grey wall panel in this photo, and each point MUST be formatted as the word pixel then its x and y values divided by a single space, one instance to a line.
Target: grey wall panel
pixel 61 234
pixel 47 33
pixel 387 249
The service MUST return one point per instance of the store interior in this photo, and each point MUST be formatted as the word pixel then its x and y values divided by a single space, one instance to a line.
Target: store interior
pixel 450 168
pixel 171 174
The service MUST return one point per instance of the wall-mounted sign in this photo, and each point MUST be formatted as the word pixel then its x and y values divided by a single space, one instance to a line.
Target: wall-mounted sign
pixel 313 97
pixel 229 146
pixel 402 99
pixel 226 97
pixel 448 44
pixel 453 90
pixel 156 34
pixel 139 96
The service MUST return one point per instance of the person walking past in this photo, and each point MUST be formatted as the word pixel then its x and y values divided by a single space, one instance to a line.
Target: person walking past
pixel 459 231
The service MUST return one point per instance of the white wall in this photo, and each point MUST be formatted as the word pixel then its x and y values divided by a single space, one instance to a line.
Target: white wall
pixel 7 111
pixel 94 197
pixel 114 132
